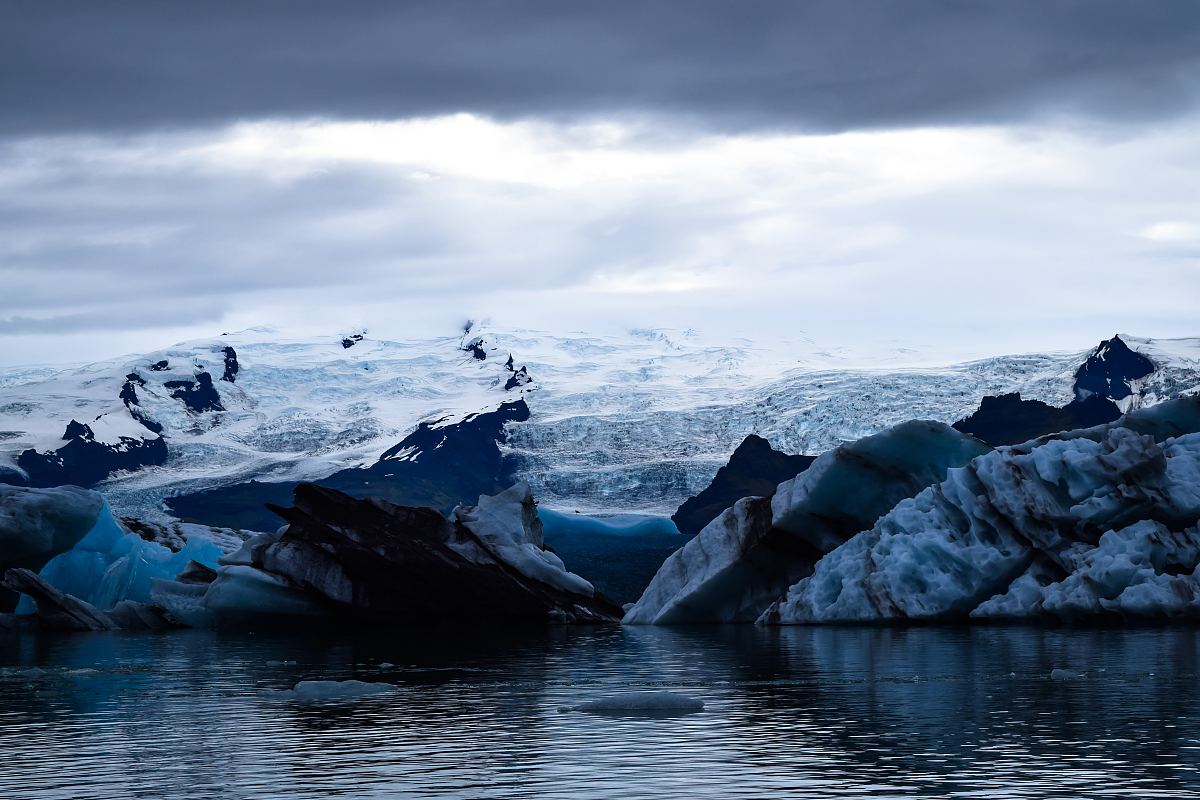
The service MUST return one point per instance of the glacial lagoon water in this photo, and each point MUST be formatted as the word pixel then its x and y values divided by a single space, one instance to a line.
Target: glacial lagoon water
pixel 803 713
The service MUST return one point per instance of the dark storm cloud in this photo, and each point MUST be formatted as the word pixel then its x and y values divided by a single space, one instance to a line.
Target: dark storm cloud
pixel 91 65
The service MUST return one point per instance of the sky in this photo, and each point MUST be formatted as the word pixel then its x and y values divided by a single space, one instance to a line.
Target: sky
pixel 962 178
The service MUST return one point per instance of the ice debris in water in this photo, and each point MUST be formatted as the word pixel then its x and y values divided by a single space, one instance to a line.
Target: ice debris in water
pixel 19 672
pixel 1060 674
pixel 640 703
pixel 315 691
pixel 276 663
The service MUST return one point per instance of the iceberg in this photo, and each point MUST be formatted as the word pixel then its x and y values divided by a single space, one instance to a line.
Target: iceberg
pixel 751 553
pixel 371 562
pixel 38 524
pixel 1103 521
pixel 505 528
pixel 61 611
pixel 110 564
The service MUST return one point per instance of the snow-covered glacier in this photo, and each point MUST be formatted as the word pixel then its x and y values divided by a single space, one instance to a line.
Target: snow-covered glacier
pixel 1098 521
pixel 635 422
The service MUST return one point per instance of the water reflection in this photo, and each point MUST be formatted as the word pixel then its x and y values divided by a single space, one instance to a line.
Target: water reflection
pixel 807 712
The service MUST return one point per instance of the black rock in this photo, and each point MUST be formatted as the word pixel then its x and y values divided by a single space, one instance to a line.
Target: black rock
pixel 159 366
pixel 199 395
pixel 754 470
pixel 1007 419
pixel 1109 370
pixel 519 377
pixel 83 461
pixel 231 364
pixel 129 397
pixel 438 465
pixel 352 340
pixel 475 348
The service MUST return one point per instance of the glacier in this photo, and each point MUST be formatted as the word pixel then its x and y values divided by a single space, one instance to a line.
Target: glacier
pixel 752 552
pixel 1094 523
pixel 634 422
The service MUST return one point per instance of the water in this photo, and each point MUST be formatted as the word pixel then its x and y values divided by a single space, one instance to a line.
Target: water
pixel 798 713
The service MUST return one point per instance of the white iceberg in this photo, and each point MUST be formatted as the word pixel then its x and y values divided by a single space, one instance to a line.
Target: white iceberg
pixel 507 530
pixel 751 553
pixel 1098 521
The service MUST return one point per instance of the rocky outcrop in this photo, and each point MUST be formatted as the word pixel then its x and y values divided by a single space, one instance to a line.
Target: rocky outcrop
pixel 129 397
pixel 441 464
pixel 1112 371
pixel 232 367
pixel 1097 523
pixel 199 395
pixel 1007 419
pixel 750 554
pixel 754 470
pixel 87 458
pixel 518 378
pixel 476 348
pixel 372 562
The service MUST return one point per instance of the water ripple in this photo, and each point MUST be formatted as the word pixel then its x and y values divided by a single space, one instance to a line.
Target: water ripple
pixel 806 713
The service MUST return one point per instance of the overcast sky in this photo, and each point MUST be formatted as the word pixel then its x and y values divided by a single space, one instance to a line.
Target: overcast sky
pixel 963 177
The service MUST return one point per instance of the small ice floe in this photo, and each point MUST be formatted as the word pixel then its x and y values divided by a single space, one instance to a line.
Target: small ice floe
pixel 85 672
pixel 386 665
pixel 316 691
pixel 26 673
pixel 643 704
pixel 281 663
pixel 1060 674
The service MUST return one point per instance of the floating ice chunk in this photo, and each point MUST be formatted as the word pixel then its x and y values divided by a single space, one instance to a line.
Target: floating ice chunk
pixel 508 528
pixel 276 663
pixel 86 672
pixel 1015 534
pixel 1060 674
pixel 752 552
pixel 247 592
pixel 317 691
pixel 110 564
pixel 26 673
pixel 659 703
pixel 39 524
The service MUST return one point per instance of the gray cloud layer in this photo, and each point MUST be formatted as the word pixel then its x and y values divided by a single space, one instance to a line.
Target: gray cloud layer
pixel 78 66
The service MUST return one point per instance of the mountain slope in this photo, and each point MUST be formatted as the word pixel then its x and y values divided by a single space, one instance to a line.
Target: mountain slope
pixel 635 422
